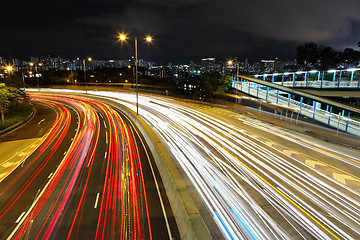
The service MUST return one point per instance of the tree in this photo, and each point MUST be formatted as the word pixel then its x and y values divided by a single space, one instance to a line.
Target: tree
pixel 328 58
pixel 4 100
pixel 8 95
pixel 214 82
pixel 307 55
pixel 350 56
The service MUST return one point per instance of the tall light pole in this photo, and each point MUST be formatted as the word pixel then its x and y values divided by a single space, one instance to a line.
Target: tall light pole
pixel 89 59
pixel 9 70
pixel 36 73
pixel 230 62
pixel 123 37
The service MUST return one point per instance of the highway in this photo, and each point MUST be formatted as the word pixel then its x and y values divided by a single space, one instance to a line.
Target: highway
pixel 80 170
pixel 257 180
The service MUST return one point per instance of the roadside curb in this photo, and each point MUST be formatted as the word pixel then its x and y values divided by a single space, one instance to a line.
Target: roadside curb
pixel 19 124
pixel 188 219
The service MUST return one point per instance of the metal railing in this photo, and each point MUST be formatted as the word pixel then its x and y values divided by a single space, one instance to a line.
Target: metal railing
pixel 320 84
pixel 314 111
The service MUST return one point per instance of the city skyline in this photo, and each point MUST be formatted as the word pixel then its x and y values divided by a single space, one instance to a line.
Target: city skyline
pixel 182 30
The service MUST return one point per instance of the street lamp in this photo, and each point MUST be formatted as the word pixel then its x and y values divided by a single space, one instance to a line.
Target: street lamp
pixel 9 69
pixel 123 37
pixel 230 62
pixel 37 75
pixel 89 59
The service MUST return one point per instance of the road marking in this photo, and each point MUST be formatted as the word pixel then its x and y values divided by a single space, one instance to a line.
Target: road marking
pixel 1 175
pixel 41 121
pixel 289 152
pixel 21 154
pixel 343 177
pixel 50 175
pixel 155 180
pixel 313 164
pixel 105 124
pixel 7 164
pixel 64 153
pixel 20 217
pixel 97 199
pixel 105 154
pixel 106 137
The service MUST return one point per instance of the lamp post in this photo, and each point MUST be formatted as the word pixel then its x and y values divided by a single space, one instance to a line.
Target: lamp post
pixel 36 73
pixel 9 70
pixel 122 38
pixel 84 61
pixel 230 62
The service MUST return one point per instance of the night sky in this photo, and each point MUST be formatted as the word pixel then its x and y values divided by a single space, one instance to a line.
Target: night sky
pixel 183 30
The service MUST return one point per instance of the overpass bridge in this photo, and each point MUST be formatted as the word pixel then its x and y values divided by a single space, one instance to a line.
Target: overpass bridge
pixel 329 112
pixel 338 79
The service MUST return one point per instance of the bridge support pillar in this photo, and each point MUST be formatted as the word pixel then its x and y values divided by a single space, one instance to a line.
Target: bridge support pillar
pixel 339 79
pixel 293 79
pixel 289 99
pixel 347 122
pixel 314 105
pixel 334 76
pixel 330 115
pixel 267 93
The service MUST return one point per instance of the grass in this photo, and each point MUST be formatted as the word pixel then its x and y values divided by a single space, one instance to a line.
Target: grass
pixel 16 115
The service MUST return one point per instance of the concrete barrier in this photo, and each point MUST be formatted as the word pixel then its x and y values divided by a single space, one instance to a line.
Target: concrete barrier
pixel 16 125
pixel 188 219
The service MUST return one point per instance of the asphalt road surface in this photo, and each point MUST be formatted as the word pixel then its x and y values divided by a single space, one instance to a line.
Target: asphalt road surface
pixel 257 180
pixel 80 170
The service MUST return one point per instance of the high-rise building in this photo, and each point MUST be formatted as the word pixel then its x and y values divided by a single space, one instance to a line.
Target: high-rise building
pixel 207 65
pixel 34 60
pixel 267 66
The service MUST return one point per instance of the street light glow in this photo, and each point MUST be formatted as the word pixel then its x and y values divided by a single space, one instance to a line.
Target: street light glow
pixel 122 37
pixel 230 62
pixel 31 64
pixel 9 68
pixel 89 59
pixel 148 38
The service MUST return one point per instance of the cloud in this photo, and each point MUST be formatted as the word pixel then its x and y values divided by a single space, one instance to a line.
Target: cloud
pixel 192 28
pixel 288 20
pixel 172 3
